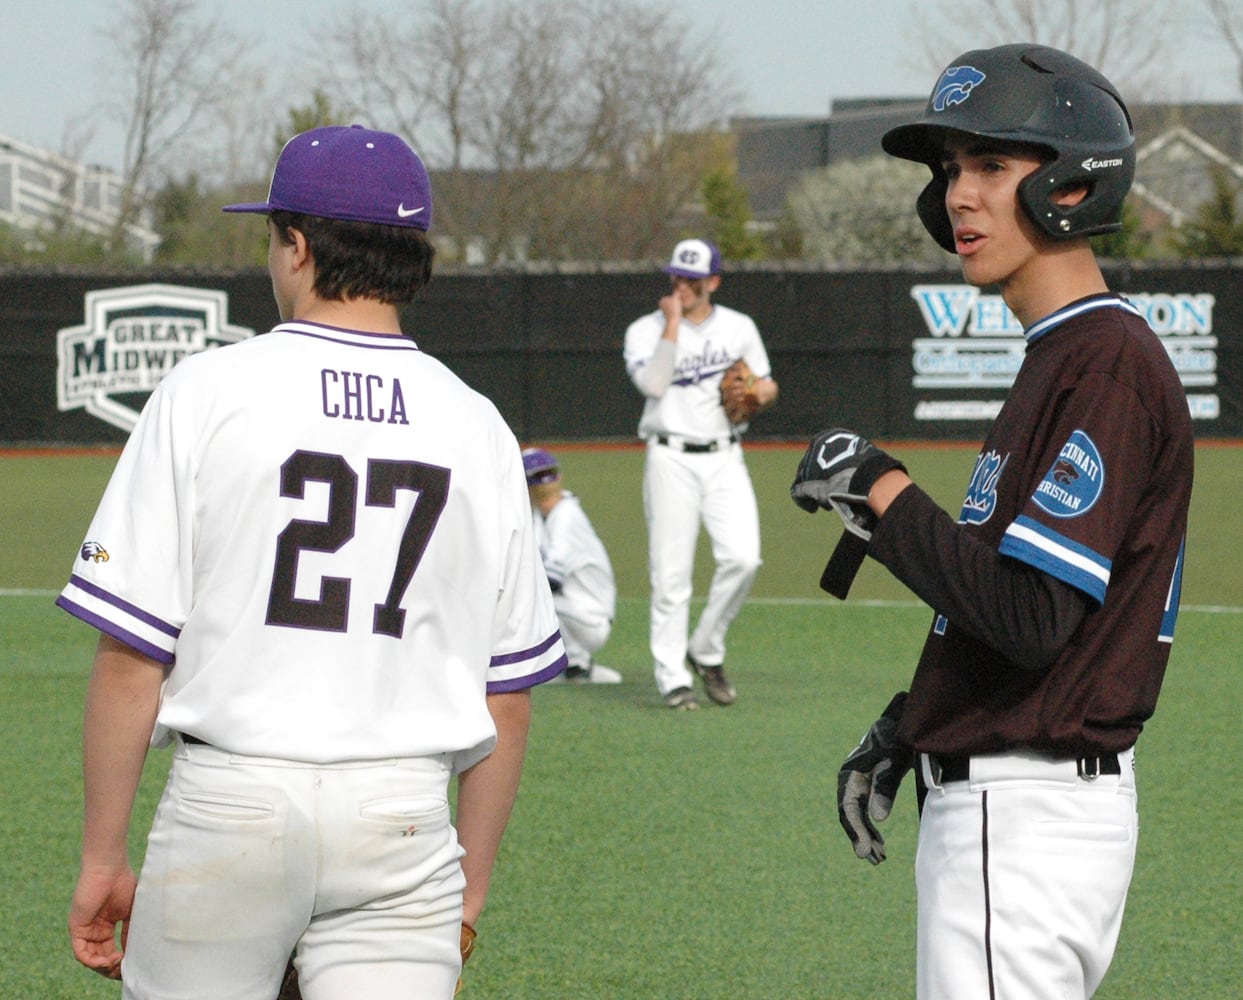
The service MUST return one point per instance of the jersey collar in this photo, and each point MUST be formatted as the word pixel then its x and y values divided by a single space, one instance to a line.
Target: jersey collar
pixel 1106 300
pixel 383 341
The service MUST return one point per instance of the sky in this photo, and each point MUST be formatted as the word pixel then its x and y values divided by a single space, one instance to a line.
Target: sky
pixel 790 57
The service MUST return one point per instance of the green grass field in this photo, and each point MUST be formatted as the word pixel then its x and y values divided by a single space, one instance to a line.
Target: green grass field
pixel 655 854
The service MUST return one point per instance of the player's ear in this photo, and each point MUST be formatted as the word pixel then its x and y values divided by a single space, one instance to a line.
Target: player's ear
pixel 712 283
pixel 301 249
pixel 1069 197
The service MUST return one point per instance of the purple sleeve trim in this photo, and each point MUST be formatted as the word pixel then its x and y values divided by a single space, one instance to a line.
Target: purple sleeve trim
pixel 114 630
pixel 530 681
pixel 526 654
pixel 130 609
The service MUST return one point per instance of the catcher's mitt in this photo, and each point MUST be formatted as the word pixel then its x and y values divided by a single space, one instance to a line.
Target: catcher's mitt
pixel 738 395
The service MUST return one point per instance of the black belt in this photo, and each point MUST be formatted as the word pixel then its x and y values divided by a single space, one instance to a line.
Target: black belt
pixel 693 447
pixel 959 768
pixel 187 738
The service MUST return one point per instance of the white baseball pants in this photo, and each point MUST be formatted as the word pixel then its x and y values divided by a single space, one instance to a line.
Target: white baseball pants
pixel 356 865
pixel 1022 875
pixel 582 634
pixel 681 491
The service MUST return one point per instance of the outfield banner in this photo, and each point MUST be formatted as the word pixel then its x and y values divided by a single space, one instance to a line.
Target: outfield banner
pixel 896 354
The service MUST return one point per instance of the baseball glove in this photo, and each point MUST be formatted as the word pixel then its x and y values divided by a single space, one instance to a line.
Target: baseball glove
pixel 468 948
pixel 738 395
pixel 289 985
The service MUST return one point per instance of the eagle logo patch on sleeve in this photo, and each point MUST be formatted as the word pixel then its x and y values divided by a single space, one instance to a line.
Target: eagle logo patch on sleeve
pixel 1075 481
pixel 94 552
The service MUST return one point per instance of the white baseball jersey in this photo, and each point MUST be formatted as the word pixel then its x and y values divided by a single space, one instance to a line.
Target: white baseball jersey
pixel 691 406
pixel 327 535
pixel 575 560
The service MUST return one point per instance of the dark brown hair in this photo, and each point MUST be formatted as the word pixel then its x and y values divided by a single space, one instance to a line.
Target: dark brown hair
pixel 363 260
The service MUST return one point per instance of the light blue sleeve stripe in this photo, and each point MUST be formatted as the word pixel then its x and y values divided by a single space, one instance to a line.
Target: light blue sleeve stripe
pixel 1029 541
pixel 1172 598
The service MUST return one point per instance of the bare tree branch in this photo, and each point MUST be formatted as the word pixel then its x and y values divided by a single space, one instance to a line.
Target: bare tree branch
pixel 1124 39
pixel 166 67
pixel 543 117
pixel 1226 17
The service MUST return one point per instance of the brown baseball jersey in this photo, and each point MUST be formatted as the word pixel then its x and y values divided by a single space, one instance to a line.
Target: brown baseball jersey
pixel 1085 476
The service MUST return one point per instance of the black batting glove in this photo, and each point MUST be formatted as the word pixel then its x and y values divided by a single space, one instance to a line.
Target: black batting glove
pixel 868 782
pixel 837 472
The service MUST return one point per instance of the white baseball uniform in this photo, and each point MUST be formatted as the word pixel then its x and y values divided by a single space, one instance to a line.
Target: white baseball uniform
pixel 581 576
pixel 327 537
pixel 694 473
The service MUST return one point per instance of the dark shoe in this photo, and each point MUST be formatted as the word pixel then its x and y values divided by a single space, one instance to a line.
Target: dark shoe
pixel 593 673
pixel 716 684
pixel 681 699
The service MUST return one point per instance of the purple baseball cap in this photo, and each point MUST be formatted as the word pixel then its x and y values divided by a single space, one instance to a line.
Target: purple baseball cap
pixel 349 172
pixel 540 466
pixel 694 259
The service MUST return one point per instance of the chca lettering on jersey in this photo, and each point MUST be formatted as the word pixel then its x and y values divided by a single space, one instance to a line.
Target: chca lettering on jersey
pixel 362 396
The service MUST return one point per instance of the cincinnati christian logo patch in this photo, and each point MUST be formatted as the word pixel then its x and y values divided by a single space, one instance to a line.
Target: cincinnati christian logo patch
pixel 131 339
pixel 1075 481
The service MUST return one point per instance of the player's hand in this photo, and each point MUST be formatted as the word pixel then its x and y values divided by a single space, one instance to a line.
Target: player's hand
pixel 837 472
pixel 671 306
pixel 868 782
pixel 103 899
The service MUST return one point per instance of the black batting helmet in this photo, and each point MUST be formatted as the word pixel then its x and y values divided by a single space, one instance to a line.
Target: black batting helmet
pixel 1038 96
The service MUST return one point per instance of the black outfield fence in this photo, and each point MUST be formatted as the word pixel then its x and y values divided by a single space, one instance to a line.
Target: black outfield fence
pixel 899 354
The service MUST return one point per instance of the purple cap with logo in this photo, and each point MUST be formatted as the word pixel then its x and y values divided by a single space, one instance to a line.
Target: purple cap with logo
pixel 694 259
pixel 539 465
pixel 352 173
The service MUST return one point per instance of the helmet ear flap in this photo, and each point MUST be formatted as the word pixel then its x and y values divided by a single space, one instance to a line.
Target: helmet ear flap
pixel 1087 217
pixel 930 205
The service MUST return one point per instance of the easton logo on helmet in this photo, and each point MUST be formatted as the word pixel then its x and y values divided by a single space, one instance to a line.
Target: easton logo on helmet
pixel 1091 164
pixel 955 86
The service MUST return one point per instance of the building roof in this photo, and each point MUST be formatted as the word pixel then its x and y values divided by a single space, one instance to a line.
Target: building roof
pixel 40 190
pixel 1177 145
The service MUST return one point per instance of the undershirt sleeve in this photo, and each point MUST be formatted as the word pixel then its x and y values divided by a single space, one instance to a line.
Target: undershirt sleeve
pixel 653 378
pixel 1024 614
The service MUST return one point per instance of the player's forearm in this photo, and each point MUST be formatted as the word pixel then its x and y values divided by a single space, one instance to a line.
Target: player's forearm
pixel 654 377
pixel 121 704
pixel 1024 614
pixel 766 391
pixel 486 794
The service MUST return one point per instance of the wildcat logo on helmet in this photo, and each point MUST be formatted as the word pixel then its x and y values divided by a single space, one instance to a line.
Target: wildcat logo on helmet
pixel 955 86
pixel 131 339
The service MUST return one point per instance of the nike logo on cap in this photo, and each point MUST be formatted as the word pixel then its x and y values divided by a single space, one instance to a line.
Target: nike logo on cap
pixel 405 213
